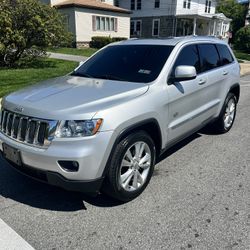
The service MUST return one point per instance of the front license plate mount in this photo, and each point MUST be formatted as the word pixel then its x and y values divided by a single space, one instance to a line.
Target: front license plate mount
pixel 12 154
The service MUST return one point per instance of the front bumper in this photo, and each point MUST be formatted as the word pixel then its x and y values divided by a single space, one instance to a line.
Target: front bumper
pixel 58 180
pixel 90 152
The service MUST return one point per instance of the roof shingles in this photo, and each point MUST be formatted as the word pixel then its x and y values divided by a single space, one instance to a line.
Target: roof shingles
pixel 91 4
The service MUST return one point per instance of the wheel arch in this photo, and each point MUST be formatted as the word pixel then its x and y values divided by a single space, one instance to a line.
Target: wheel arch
pixel 150 126
pixel 235 89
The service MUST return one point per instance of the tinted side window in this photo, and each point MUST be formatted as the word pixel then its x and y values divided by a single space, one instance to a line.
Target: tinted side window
pixel 189 57
pixel 209 57
pixel 225 55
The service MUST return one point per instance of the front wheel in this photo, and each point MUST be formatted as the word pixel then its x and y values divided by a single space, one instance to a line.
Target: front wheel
pixel 131 167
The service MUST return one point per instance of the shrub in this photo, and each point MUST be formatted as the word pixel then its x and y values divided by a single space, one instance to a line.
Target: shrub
pixel 242 39
pixel 27 27
pixel 101 41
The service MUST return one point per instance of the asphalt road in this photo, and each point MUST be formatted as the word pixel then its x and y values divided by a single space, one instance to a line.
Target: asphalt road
pixel 199 198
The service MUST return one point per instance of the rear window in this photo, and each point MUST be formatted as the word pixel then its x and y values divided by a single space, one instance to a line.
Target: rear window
pixel 209 57
pixel 132 63
pixel 225 55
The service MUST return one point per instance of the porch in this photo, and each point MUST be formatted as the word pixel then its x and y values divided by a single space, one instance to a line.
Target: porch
pixel 203 25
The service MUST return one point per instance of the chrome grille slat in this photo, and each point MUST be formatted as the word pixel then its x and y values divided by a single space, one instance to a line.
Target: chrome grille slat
pixel 27 130
pixel 7 123
pixel 12 126
pixel 35 141
pixel 4 121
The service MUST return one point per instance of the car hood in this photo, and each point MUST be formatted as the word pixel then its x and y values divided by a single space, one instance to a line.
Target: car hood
pixel 72 97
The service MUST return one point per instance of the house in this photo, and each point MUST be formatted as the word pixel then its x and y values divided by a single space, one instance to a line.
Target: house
pixel 88 18
pixel 246 2
pixel 163 18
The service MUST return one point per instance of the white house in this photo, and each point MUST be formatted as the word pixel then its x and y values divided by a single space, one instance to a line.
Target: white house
pixel 88 18
pixel 163 18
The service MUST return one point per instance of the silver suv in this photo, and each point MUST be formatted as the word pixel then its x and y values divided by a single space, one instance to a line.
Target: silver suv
pixel 102 127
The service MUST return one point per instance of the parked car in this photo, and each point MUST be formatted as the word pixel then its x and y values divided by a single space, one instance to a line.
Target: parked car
pixel 102 127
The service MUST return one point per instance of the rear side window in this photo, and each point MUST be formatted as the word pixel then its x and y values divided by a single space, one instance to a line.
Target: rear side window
pixel 209 57
pixel 188 56
pixel 225 55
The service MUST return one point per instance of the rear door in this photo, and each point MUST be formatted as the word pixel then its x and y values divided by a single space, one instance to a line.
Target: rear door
pixel 211 70
pixel 229 70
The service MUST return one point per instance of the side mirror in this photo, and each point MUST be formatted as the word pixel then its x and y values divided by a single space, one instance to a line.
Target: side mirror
pixel 184 73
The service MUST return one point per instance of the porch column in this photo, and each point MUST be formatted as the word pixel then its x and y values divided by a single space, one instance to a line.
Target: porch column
pixel 194 26
pixel 221 28
pixel 214 33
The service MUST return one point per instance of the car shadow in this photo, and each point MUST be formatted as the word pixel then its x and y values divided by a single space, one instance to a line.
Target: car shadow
pixel 25 190
pixel 178 146
pixel 22 189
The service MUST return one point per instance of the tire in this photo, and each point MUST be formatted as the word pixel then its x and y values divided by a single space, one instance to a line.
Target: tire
pixel 131 167
pixel 227 116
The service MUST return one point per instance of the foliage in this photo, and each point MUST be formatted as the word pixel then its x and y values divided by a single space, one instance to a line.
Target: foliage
pixel 242 39
pixel 101 41
pixel 232 9
pixel 14 79
pixel 26 28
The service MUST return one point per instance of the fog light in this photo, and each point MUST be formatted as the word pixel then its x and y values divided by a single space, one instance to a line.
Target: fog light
pixel 69 166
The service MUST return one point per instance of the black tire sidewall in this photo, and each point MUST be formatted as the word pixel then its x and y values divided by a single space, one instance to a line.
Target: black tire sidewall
pixel 120 151
pixel 228 98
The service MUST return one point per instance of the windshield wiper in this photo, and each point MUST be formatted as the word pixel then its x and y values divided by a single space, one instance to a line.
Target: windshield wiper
pixel 110 77
pixel 81 74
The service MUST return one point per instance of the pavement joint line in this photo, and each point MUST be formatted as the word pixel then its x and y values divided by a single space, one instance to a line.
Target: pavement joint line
pixel 10 240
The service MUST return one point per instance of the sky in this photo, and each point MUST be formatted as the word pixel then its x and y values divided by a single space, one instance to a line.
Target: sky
pixel 243 1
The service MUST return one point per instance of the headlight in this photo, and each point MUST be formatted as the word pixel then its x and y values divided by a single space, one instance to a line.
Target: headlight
pixel 78 128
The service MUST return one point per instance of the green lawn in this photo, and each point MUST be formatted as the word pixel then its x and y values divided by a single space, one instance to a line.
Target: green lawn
pixel 72 51
pixel 242 55
pixel 14 79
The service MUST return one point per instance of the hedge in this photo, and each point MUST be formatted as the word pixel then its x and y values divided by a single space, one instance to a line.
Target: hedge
pixel 101 41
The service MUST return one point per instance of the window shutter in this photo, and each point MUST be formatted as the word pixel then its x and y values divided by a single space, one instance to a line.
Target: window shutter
pixel 116 24
pixel 94 23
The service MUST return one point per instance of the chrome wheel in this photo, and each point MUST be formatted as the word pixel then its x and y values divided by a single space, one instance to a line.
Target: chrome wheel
pixel 135 166
pixel 229 113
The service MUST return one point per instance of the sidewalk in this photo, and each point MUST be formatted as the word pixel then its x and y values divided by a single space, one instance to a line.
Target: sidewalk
pixel 245 67
pixel 67 57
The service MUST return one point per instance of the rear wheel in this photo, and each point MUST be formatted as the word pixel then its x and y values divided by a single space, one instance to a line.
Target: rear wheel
pixel 227 116
pixel 131 167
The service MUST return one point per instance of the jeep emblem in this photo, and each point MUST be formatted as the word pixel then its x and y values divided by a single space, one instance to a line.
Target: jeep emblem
pixel 18 109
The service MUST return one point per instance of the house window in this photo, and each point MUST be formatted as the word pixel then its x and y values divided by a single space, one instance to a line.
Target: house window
pixel 156 27
pixel 208 6
pixel 132 4
pixel 101 23
pixel 138 4
pixel 135 5
pixel 157 3
pixel 187 4
pixel 135 28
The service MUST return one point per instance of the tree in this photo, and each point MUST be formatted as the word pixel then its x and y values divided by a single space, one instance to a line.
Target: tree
pixel 232 9
pixel 28 26
pixel 242 40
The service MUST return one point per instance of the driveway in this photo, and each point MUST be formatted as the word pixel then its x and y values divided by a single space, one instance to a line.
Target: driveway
pixel 198 198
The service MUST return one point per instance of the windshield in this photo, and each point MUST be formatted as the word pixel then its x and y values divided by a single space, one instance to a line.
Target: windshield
pixel 132 63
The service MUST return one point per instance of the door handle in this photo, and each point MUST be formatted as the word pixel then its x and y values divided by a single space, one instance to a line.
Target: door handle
pixel 225 72
pixel 202 81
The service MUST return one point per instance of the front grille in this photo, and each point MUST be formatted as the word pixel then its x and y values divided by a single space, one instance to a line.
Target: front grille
pixel 28 130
